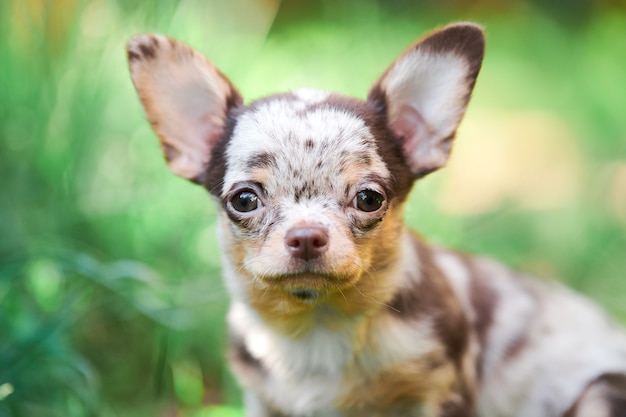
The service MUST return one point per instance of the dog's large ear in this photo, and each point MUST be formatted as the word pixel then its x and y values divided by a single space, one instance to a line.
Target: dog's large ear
pixel 185 97
pixel 426 90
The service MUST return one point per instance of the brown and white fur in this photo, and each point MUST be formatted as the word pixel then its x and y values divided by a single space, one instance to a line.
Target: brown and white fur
pixel 337 309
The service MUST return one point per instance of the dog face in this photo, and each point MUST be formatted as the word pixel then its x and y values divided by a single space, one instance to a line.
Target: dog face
pixel 311 183
pixel 305 193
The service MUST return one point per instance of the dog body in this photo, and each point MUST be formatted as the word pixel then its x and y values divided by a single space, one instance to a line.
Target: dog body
pixel 337 309
pixel 520 348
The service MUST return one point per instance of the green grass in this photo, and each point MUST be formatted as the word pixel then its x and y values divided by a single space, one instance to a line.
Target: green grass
pixel 111 302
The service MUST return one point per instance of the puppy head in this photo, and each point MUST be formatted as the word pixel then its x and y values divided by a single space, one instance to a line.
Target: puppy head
pixel 311 183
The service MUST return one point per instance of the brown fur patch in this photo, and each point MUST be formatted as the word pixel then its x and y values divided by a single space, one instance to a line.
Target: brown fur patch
pixel 613 388
pixel 213 178
pixel 148 51
pixel 484 300
pixel 240 356
pixel 398 390
pixel 133 56
pixel 432 296
pixel 261 160
pixel 390 146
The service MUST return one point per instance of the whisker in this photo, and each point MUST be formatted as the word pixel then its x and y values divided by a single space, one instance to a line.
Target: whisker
pixel 343 295
pixel 375 300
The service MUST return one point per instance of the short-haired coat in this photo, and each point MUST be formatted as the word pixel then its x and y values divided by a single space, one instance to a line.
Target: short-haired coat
pixel 337 308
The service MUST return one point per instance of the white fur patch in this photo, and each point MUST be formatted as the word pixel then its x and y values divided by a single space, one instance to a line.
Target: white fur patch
pixel 311 95
pixel 459 276
pixel 306 376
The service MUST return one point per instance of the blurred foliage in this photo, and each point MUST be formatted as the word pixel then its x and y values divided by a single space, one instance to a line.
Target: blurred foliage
pixel 111 303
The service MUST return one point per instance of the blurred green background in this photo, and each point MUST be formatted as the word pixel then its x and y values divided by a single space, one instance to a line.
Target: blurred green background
pixel 111 302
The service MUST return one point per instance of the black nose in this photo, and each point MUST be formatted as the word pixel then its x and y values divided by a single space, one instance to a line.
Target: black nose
pixel 307 242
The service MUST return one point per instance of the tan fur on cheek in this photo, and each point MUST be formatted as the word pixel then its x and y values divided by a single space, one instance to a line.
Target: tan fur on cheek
pixel 379 251
pixel 384 245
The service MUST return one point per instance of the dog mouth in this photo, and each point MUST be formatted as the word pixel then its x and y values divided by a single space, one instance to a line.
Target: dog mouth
pixel 307 287
pixel 305 295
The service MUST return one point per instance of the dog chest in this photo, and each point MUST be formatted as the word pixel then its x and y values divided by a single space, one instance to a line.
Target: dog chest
pixel 344 367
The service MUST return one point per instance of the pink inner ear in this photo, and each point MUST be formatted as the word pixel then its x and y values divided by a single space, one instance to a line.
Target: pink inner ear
pixel 411 128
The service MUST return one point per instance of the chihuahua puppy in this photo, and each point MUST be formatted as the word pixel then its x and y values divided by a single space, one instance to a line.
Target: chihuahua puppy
pixel 337 309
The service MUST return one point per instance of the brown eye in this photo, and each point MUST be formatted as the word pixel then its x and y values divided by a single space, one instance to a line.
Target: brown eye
pixel 245 201
pixel 368 200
